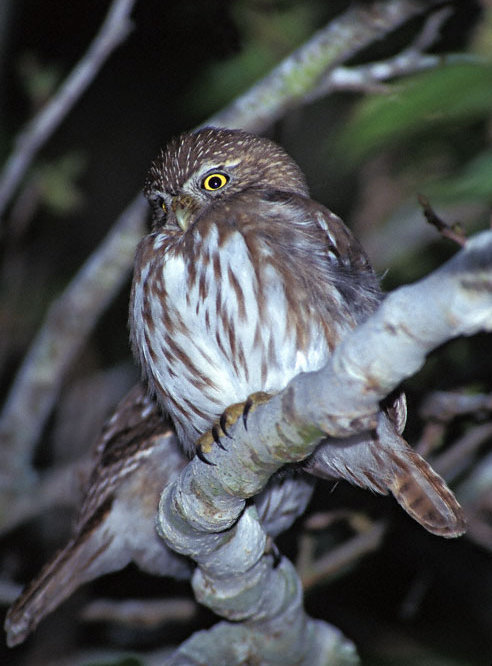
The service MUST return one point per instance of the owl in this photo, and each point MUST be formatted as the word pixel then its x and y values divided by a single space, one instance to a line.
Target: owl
pixel 245 282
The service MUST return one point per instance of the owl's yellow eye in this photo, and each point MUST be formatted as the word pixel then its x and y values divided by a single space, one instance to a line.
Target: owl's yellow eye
pixel 159 202
pixel 214 181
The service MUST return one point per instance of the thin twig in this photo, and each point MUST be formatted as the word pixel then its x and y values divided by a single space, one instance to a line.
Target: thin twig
pixel 431 30
pixel 431 438
pixel 113 31
pixel 452 461
pixel 444 406
pixel 343 556
pixel 369 77
pixel 59 486
pixel 148 613
pixel 453 232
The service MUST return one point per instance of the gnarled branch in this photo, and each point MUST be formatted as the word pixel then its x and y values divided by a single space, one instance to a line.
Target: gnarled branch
pixel 204 514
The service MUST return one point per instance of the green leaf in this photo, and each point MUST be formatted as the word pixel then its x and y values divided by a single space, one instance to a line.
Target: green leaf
pixel 473 183
pixel 268 33
pixel 422 104
pixel 57 182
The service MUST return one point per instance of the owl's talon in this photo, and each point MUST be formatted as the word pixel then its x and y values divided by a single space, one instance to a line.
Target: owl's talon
pixel 247 408
pixel 253 401
pixel 223 425
pixel 202 457
pixel 228 417
pixel 216 436
pixel 204 445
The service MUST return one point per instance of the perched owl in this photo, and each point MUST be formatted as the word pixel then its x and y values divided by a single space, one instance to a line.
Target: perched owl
pixel 243 283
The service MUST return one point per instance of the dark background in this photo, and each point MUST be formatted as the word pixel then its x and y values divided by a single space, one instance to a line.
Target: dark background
pixel 182 62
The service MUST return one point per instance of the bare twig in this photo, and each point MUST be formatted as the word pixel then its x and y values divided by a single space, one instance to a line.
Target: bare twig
pixel 458 456
pixel 113 31
pixel 441 407
pixel 312 569
pixel 431 30
pixel 148 613
pixel 368 78
pixel 60 486
pixel 431 438
pixel 453 232
pixel 446 405
pixel 342 556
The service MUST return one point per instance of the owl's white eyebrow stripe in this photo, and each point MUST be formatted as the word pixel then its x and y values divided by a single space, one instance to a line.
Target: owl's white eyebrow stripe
pixel 232 163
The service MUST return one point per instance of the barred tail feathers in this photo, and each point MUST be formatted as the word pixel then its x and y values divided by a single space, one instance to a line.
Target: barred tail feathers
pixel 385 463
pixel 71 567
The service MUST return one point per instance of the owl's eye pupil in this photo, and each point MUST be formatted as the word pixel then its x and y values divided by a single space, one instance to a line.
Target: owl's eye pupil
pixel 214 181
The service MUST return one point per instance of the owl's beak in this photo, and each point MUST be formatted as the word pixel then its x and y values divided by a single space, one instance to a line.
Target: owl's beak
pixel 183 207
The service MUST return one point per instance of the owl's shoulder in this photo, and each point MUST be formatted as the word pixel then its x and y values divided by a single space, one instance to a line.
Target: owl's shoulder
pixel 340 240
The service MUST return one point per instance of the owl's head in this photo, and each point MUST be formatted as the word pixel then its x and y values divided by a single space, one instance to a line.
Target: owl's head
pixel 198 168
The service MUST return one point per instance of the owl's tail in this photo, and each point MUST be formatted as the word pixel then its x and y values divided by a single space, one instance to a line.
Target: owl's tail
pixel 77 563
pixel 386 463
pixel 425 496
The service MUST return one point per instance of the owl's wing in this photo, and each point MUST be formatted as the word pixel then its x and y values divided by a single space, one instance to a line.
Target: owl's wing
pixel 353 274
pixel 125 442
pixel 135 457
pixel 366 294
pixel 381 461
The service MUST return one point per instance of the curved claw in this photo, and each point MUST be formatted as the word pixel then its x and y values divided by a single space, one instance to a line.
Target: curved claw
pixel 254 400
pixel 223 425
pixel 202 457
pixel 216 436
pixel 247 408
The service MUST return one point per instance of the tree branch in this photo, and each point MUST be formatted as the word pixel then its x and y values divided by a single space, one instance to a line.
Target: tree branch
pixel 294 81
pixel 68 323
pixel 113 31
pixel 203 514
pixel 341 556
pixel 368 77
